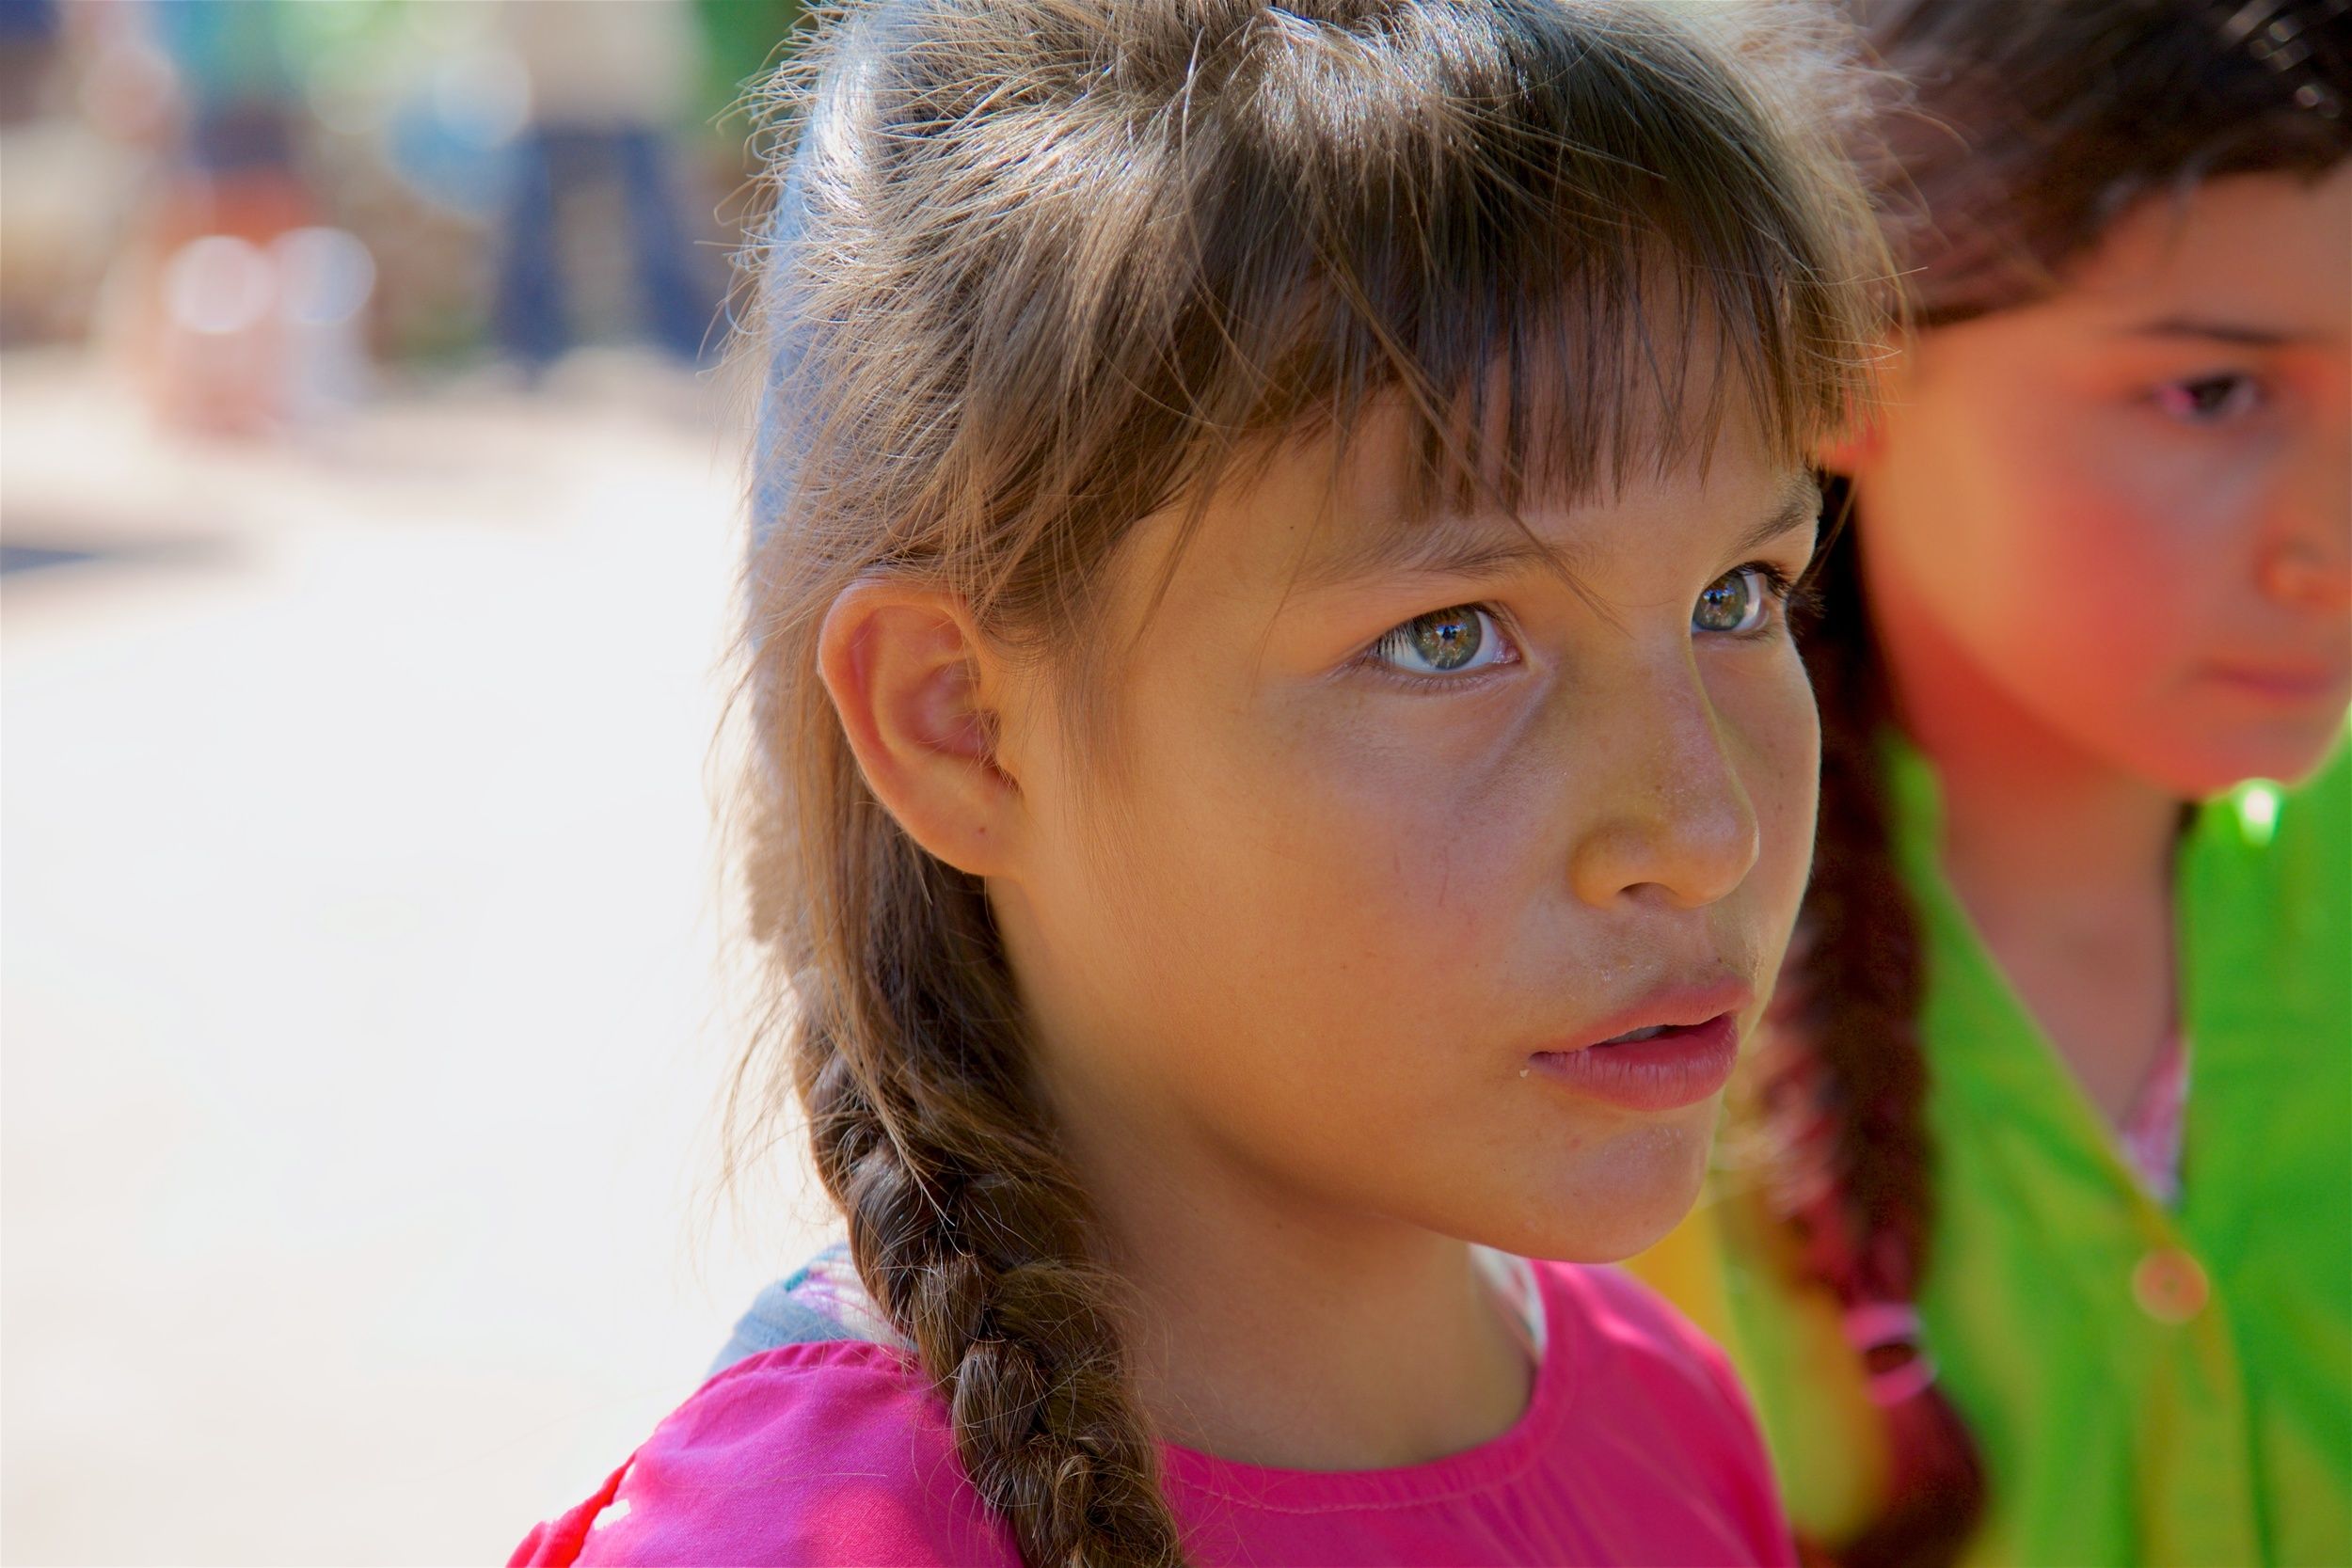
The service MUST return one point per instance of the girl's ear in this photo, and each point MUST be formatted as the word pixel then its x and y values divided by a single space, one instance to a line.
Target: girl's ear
pixel 911 677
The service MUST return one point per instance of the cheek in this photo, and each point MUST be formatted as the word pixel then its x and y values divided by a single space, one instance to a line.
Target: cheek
pixel 1320 869
pixel 2039 538
pixel 1764 706
pixel 1312 969
pixel 1328 906
pixel 1271 904
pixel 2110 571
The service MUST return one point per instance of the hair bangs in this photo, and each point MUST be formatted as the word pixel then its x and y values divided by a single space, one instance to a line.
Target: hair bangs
pixel 1560 296
pixel 1567 239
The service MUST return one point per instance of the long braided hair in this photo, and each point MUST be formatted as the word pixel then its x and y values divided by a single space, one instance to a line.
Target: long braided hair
pixel 1040 268
pixel 2006 140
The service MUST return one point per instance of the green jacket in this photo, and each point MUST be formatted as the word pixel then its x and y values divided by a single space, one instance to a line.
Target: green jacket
pixel 2146 1385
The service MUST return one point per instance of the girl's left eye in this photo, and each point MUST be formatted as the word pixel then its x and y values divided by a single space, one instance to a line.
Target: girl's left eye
pixel 2209 399
pixel 1738 601
pixel 1457 641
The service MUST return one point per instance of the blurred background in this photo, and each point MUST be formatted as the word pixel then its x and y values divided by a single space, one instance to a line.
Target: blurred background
pixel 368 472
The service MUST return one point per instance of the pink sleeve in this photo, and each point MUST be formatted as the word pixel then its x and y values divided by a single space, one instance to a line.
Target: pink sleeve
pixel 821 1453
pixel 559 1540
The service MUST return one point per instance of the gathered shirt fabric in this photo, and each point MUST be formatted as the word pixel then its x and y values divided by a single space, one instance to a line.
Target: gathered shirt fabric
pixel 1636 1446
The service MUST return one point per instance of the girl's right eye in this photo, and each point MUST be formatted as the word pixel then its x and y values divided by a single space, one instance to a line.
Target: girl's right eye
pixel 2207 400
pixel 1457 642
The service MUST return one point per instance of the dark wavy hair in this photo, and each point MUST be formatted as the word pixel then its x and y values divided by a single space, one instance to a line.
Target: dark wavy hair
pixel 1040 268
pixel 2008 137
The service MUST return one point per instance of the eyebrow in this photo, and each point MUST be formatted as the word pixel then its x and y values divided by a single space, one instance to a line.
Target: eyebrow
pixel 1475 546
pixel 2240 333
pixel 1800 507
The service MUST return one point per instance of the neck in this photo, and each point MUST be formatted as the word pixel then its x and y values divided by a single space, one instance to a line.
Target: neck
pixel 1273 1330
pixel 2025 807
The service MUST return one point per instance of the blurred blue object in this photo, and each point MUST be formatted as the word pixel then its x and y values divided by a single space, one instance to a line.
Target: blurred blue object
pixel 549 160
pixel 28 43
pixel 454 161
pixel 28 19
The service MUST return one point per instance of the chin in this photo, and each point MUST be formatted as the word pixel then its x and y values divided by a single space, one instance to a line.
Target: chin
pixel 1622 1200
pixel 2217 764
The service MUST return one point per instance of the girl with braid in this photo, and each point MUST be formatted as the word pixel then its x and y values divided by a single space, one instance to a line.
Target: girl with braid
pixel 2045 1255
pixel 1282 775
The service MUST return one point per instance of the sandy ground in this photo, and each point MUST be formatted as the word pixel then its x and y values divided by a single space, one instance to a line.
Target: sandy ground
pixel 361 1026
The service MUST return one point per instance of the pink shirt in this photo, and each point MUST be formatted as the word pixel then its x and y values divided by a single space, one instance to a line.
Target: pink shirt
pixel 1636 1448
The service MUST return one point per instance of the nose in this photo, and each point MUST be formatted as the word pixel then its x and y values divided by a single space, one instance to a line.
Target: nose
pixel 2309 572
pixel 2306 561
pixel 1675 824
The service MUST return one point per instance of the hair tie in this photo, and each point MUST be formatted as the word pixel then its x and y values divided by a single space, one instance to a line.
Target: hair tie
pixel 2282 35
pixel 1876 1325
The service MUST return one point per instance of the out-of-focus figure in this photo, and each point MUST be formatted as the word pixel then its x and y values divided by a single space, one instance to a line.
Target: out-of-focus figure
pixel 2039 1239
pixel 262 209
pixel 238 303
pixel 608 84
pixel 233 189
pixel 63 182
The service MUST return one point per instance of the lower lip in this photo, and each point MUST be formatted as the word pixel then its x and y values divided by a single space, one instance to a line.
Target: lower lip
pixel 1664 1072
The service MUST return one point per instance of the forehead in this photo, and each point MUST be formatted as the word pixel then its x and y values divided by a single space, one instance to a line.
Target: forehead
pixel 1347 510
pixel 2268 250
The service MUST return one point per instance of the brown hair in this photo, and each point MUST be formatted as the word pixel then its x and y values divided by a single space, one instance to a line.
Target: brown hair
pixel 1043 268
pixel 2007 139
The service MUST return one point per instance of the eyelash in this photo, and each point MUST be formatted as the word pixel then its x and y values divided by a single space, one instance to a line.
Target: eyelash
pixel 1415 681
pixel 1789 599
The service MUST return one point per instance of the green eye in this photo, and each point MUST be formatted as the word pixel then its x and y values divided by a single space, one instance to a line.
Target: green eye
pixel 1735 602
pixel 1444 642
